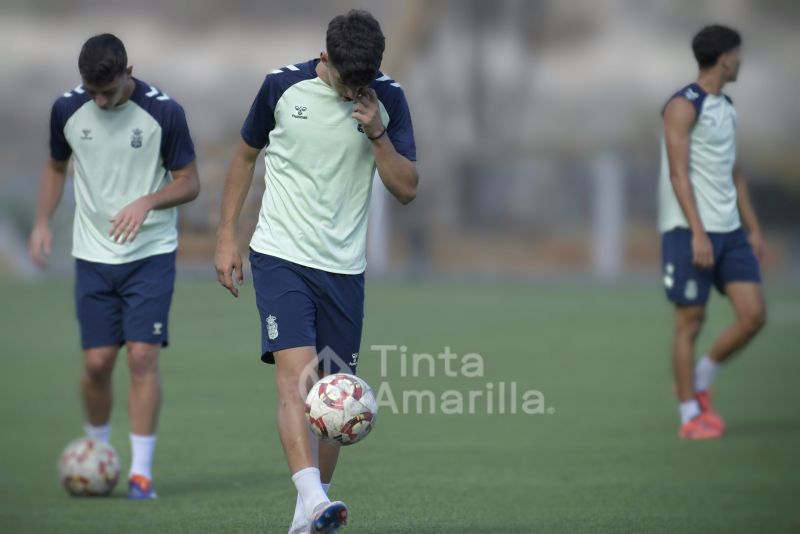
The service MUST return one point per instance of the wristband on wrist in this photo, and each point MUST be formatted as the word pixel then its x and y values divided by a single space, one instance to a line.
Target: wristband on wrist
pixel 378 136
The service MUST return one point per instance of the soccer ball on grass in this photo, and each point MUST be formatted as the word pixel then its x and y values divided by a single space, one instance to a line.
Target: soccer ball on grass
pixel 88 467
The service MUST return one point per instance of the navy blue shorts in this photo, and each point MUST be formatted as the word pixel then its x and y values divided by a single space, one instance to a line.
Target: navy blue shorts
pixel 124 302
pixel 687 284
pixel 305 307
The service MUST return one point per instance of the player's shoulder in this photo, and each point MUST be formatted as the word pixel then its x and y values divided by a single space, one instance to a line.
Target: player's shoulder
pixel 384 85
pixel 289 75
pixel 390 93
pixel 70 101
pixel 692 93
pixel 153 99
pixel 278 81
pixel 164 109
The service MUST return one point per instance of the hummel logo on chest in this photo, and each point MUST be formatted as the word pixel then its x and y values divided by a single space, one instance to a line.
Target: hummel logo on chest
pixel 300 110
pixel 87 135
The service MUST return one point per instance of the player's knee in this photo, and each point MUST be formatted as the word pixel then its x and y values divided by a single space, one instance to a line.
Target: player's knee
pixel 753 320
pixel 290 389
pixel 142 360
pixel 690 325
pixel 99 365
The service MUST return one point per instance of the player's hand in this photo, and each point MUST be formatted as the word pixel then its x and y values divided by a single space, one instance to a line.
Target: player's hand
pixel 757 242
pixel 41 244
pixel 126 224
pixel 702 252
pixel 367 111
pixel 228 263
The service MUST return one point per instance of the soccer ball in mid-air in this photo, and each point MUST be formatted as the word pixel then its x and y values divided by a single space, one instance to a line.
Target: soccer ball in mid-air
pixel 341 408
pixel 88 467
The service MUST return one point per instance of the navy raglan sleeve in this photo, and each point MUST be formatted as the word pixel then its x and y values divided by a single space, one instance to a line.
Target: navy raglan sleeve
pixel 261 119
pixel 177 148
pixel 694 94
pixel 400 129
pixel 59 148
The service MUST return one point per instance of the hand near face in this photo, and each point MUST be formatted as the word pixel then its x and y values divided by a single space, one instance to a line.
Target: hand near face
pixel 366 110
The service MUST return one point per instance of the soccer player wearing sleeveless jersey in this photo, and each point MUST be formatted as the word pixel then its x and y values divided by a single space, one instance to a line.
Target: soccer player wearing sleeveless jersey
pixel 134 162
pixel 704 203
pixel 326 124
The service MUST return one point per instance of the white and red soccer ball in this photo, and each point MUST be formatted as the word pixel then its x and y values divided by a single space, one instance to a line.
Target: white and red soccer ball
pixel 341 408
pixel 88 467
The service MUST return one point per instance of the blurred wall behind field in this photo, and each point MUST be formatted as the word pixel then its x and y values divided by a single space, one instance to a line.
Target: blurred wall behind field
pixel 537 122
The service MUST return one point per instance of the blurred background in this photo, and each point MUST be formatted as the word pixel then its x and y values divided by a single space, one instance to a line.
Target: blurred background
pixel 537 122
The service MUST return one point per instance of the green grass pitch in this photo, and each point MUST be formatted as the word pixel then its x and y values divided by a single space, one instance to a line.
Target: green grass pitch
pixel 606 460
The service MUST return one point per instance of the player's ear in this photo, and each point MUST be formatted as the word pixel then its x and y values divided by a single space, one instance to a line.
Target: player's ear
pixel 129 70
pixel 323 56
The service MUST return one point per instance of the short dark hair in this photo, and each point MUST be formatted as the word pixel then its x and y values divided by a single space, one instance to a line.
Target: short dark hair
pixel 102 59
pixel 355 45
pixel 713 41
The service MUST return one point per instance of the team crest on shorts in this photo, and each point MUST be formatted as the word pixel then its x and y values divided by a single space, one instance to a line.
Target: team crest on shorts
pixel 136 138
pixel 272 327
pixel 690 292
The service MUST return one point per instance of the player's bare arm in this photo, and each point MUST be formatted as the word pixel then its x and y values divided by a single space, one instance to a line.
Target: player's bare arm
pixel 184 187
pixel 747 212
pixel 227 259
pixel 398 173
pixel 679 117
pixel 54 176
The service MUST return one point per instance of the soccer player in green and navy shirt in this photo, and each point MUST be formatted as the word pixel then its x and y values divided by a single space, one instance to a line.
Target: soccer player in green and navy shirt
pixel 705 209
pixel 326 125
pixel 134 163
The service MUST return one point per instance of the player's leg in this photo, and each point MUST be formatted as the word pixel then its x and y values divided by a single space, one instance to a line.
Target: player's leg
pixel 688 324
pixel 325 454
pixel 738 276
pixel 300 523
pixel 328 458
pixel 288 338
pixel 144 400
pixel 146 287
pixel 96 389
pixel 293 381
pixel 340 321
pixel 688 288
pixel 695 422
pixel 144 405
pixel 748 304
pixel 99 312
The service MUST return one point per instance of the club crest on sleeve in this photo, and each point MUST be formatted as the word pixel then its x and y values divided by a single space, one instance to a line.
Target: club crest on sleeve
pixel 691 94
pixel 136 138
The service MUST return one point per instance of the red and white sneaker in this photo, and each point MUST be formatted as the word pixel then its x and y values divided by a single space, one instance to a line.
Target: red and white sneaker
pixel 701 427
pixel 704 400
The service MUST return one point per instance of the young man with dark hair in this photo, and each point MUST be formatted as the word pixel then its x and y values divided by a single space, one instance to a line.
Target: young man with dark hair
pixel 326 125
pixel 704 201
pixel 134 163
